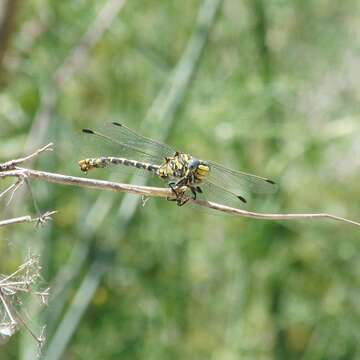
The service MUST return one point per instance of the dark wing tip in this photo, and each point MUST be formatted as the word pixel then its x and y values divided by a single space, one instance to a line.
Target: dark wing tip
pixel 116 123
pixel 87 131
pixel 271 181
pixel 242 199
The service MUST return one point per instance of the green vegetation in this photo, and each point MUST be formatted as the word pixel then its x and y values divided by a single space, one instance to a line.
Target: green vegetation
pixel 275 93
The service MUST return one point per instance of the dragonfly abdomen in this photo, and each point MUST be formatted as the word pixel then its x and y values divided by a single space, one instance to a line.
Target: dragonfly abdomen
pixel 102 162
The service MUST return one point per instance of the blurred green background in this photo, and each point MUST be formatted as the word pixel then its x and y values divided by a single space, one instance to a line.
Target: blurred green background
pixel 273 91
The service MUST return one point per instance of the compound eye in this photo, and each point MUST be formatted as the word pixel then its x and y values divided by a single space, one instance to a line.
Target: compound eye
pixel 194 164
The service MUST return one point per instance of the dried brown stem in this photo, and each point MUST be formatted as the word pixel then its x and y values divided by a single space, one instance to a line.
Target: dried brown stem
pixel 89 183
pixel 27 218
pixel 268 216
pixel 11 188
pixel 12 289
pixel 9 165
pixel 160 192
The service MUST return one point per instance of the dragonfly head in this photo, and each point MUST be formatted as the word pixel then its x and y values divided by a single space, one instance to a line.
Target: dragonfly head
pixel 199 168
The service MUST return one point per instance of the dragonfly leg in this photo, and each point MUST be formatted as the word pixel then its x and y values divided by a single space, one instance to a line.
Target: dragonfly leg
pixel 180 200
pixel 179 195
pixel 173 187
pixel 181 182
pixel 193 191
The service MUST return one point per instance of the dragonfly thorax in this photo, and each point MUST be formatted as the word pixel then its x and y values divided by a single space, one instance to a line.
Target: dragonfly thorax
pixel 183 165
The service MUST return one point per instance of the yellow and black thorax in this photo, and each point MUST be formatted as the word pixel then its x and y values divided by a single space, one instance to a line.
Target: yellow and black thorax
pixel 185 166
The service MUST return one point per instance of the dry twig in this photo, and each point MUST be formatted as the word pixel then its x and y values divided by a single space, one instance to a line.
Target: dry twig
pixel 12 165
pixel 160 192
pixel 9 165
pixel 25 280
pixel 40 220
pixel 11 188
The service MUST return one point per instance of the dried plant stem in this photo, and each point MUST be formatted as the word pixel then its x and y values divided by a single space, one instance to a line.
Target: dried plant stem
pixel 27 218
pixel 89 183
pixel 268 216
pixel 160 192
pixel 13 163
pixel 12 188
pixel 7 307
pixel 23 281
pixel 17 220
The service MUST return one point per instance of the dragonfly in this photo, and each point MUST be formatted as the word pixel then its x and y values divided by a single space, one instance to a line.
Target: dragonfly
pixel 186 175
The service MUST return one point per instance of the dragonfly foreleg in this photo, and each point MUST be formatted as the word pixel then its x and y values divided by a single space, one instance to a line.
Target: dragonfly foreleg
pixel 179 192
pixel 179 201
pixel 193 192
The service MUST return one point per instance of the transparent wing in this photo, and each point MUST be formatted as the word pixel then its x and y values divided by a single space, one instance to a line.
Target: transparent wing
pixel 115 139
pixel 126 136
pixel 239 182
pixel 213 192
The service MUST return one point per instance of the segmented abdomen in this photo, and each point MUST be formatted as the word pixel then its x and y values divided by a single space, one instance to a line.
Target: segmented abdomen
pixel 102 162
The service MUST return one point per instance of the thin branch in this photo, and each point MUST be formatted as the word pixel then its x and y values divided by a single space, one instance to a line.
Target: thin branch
pixel 268 216
pixel 24 280
pixel 7 307
pixel 9 165
pixel 18 183
pixel 40 220
pixel 17 220
pixel 161 192
pixel 12 188
pixel 88 183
